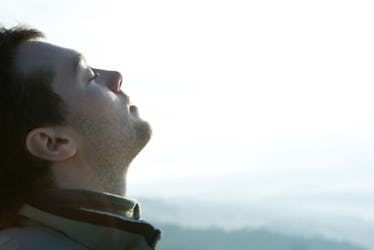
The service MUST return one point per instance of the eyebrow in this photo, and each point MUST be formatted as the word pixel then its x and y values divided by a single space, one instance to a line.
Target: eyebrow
pixel 76 61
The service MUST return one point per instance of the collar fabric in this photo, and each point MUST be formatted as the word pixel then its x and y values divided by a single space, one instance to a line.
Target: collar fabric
pixel 95 220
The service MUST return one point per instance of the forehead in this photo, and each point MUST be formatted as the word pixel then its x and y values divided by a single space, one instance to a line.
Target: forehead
pixel 34 56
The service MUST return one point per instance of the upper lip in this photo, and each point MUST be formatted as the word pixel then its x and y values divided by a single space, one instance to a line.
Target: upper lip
pixel 125 97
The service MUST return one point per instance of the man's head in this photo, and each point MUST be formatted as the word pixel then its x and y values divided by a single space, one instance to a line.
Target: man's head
pixel 62 120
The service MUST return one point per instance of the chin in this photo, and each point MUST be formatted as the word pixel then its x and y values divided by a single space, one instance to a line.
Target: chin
pixel 143 134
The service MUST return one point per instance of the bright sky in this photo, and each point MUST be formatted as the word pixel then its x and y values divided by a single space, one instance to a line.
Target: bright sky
pixel 265 97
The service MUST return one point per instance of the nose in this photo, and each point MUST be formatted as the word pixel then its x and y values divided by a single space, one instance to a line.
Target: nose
pixel 112 79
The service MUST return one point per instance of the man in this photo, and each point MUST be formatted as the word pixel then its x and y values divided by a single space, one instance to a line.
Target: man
pixel 68 136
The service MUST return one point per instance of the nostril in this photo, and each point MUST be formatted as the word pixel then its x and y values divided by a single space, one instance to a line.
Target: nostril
pixel 115 81
pixel 119 81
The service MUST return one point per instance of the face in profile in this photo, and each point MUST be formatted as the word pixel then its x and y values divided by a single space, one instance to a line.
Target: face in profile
pixel 107 130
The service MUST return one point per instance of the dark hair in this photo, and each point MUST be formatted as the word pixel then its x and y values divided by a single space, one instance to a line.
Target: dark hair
pixel 26 102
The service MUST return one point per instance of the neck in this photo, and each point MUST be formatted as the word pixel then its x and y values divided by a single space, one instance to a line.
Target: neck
pixel 114 182
pixel 104 179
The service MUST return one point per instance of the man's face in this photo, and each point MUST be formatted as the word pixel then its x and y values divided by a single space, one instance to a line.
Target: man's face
pixel 108 131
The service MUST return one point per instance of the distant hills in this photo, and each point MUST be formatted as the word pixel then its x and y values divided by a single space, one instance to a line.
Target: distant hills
pixel 178 238
pixel 193 224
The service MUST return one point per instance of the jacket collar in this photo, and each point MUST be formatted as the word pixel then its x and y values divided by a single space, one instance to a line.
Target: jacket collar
pixel 95 220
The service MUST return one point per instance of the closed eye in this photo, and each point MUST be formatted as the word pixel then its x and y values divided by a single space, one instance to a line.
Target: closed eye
pixel 94 77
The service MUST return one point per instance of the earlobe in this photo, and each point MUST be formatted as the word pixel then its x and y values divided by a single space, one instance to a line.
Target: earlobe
pixel 50 144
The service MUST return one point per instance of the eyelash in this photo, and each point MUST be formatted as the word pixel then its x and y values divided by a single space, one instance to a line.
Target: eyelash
pixel 96 75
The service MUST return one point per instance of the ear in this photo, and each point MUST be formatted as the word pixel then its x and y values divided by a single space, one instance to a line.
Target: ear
pixel 51 143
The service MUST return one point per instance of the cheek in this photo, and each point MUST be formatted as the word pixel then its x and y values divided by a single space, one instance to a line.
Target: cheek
pixel 105 113
pixel 96 105
pixel 99 102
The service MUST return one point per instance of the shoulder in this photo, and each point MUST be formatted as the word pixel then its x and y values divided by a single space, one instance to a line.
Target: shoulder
pixel 33 238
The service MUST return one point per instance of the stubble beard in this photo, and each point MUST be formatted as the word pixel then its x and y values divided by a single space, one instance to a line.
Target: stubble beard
pixel 111 152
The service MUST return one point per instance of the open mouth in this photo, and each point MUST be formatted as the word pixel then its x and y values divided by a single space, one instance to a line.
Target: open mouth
pixel 133 109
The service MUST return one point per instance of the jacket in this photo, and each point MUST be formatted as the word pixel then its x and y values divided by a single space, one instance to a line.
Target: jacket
pixel 79 219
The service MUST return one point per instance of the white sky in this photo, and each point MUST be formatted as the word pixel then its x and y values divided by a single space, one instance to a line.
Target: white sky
pixel 265 97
